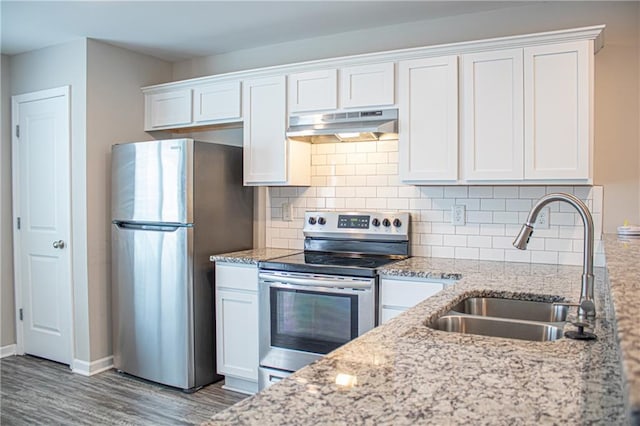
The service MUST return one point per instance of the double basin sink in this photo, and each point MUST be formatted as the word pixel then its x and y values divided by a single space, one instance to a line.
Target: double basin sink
pixel 507 318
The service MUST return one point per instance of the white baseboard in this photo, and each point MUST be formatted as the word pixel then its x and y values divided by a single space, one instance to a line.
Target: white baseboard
pixel 94 367
pixel 8 350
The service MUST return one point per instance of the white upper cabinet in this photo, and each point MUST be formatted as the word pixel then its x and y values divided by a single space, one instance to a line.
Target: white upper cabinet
pixel 217 102
pixel 199 105
pixel 367 85
pixel 492 116
pixel 428 119
pixel 313 91
pixel 167 109
pixel 558 88
pixel 269 158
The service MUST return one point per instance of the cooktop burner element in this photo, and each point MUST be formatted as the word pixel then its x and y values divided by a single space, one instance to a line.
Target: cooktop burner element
pixel 348 243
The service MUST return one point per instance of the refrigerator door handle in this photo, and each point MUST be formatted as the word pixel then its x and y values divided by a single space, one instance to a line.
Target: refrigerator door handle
pixel 148 227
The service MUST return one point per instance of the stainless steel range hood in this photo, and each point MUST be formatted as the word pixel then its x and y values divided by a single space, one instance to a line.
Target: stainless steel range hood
pixel 355 126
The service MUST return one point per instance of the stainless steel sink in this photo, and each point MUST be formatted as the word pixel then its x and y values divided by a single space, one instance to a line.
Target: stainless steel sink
pixel 487 326
pixel 512 309
pixel 508 318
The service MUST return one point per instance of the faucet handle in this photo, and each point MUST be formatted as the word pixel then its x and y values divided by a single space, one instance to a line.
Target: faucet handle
pixel 580 334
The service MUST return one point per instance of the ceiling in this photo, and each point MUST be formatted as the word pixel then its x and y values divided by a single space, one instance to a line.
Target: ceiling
pixel 179 30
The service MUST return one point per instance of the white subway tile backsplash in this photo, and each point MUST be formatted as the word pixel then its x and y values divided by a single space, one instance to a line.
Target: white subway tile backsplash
pixel 346 148
pixel 365 169
pixel 506 217
pixel 479 241
pixel 468 229
pixel 355 203
pixel 492 204
pixel 467 253
pixel 398 203
pixel 375 203
pixel 431 191
pixel 386 192
pixel 364 176
pixel 479 217
pixel 446 252
pixel 515 255
pixel 492 254
pixel 566 219
pixel 456 192
pixel 480 192
pixel 505 192
pixel 455 240
pixel 493 229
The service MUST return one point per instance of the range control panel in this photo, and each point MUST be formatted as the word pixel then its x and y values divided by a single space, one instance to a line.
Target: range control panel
pixel 392 225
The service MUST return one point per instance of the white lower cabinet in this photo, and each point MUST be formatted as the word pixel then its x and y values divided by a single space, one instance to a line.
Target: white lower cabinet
pixel 399 294
pixel 237 326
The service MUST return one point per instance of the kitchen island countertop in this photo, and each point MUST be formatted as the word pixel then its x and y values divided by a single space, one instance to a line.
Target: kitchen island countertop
pixel 406 373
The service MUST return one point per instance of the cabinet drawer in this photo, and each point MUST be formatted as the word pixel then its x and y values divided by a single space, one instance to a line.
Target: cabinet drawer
pixel 236 276
pixel 406 293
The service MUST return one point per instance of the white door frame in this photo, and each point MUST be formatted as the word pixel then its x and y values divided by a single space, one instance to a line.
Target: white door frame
pixel 15 186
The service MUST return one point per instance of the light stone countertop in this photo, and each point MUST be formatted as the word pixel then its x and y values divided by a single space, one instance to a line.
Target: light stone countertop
pixel 252 256
pixel 407 373
pixel 623 265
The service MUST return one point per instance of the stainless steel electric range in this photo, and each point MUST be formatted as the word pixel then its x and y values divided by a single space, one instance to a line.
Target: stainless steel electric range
pixel 313 302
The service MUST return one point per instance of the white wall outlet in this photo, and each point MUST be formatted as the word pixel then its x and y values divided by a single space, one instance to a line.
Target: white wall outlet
pixel 287 212
pixel 458 215
pixel 542 221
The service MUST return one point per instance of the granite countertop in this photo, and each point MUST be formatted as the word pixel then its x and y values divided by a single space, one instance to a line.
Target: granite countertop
pixel 253 256
pixel 405 373
pixel 623 265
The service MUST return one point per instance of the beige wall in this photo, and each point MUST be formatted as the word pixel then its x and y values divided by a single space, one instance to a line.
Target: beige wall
pixel 115 113
pixel 7 312
pixel 106 107
pixel 64 65
pixel 616 129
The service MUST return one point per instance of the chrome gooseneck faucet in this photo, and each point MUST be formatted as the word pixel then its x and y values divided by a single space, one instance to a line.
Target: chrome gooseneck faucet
pixel 587 305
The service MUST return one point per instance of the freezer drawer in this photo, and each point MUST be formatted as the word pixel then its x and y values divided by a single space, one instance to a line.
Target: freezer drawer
pixel 153 181
pixel 153 303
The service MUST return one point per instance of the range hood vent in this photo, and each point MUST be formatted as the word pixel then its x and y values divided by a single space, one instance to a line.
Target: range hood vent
pixel 356 126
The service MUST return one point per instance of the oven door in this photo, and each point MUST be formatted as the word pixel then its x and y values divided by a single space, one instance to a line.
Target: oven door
pixel 305 316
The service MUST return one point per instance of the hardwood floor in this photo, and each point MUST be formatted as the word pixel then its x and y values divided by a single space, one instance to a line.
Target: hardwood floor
pixel 37 391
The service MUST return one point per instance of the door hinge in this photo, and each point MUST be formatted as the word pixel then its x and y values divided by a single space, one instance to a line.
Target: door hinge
pixel 18 223
pixel 17 131
pixel 21 314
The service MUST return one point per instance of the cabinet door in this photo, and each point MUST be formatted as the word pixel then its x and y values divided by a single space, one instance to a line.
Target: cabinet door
pixel 313 91
pixel 367 85
pixel 265 148
pixel 217 102
pixel 237 333
pixel 493 134
pixel 168 109
pixel 428 119
pixel 557 89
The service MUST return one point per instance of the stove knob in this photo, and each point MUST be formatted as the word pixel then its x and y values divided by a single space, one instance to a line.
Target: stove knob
pixel 321 220
pixel 386 222
pixel 312 220
pixel 375 222
pixel 397 223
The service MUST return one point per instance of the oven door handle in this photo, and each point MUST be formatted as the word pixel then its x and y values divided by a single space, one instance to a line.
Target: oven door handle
pixel 316 281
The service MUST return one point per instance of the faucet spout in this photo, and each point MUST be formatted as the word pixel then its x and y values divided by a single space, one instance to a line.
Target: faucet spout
pixel 587 304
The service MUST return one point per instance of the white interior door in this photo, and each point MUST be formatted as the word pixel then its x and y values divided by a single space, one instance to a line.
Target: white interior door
pixel 41 197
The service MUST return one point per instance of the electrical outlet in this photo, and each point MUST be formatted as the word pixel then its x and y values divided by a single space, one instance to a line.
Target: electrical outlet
pixel 542 221
pixel 287 212
pixel 458 215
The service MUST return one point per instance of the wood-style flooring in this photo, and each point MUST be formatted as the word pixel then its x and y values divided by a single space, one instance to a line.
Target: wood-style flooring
pixel 36 391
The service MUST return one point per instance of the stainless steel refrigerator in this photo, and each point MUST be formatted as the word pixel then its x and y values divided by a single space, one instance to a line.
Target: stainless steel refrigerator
pixel 174 203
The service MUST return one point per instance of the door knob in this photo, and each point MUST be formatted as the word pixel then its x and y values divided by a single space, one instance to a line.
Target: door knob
pixel 58 244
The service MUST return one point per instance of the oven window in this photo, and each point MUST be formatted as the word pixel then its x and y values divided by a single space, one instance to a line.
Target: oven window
pixel 312 321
